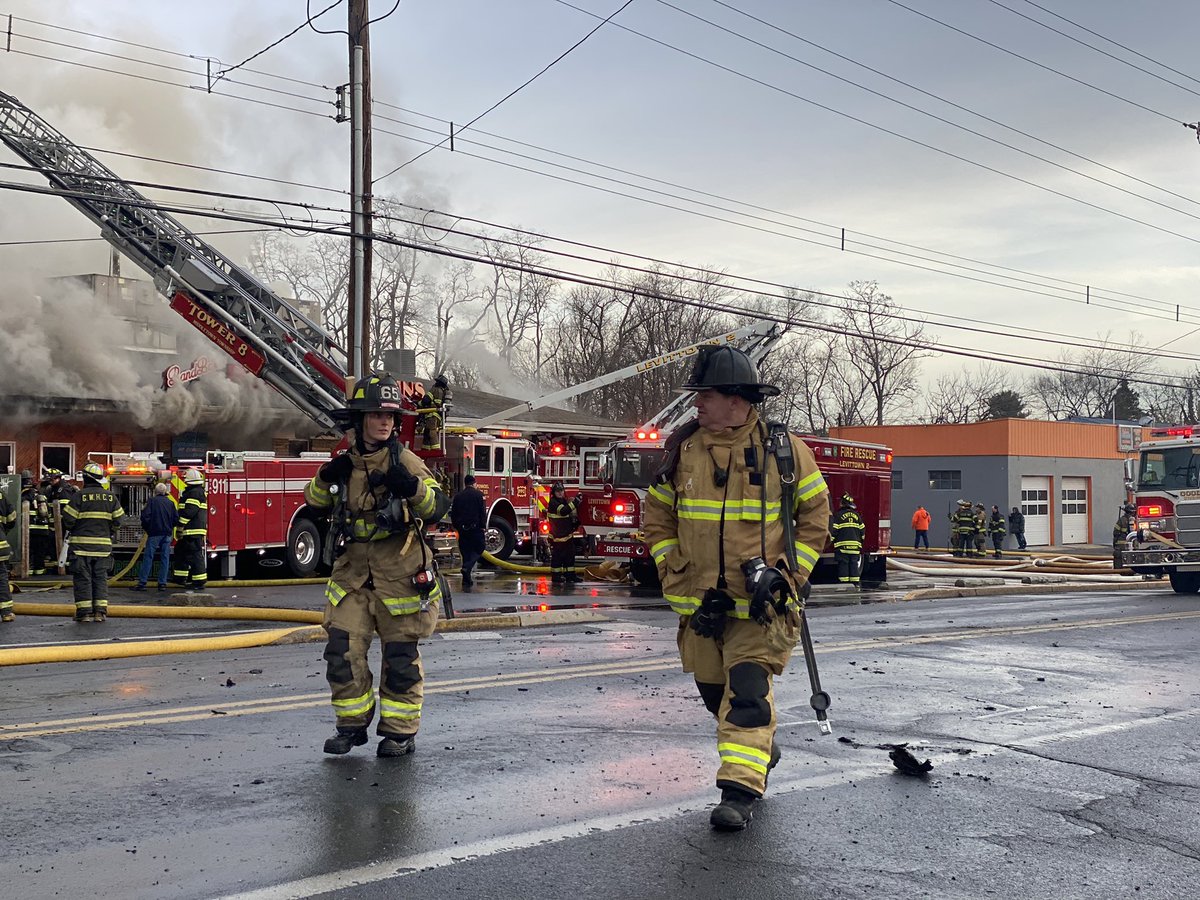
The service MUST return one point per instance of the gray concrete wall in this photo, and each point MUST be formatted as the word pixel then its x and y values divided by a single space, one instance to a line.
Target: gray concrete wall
pixel 997 479
pixel 1107 489
pixel 984 480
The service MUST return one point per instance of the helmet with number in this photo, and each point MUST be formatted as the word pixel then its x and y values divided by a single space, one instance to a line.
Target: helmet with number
pixel 729 371
pixel 848 500
pixel 193 476
pixel 377 392
pixel 93 471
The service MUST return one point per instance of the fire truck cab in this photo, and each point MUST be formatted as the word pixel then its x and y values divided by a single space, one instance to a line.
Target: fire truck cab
pixel 1165 482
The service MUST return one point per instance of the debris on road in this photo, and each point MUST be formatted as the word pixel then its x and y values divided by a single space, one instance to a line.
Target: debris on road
pixel 908 764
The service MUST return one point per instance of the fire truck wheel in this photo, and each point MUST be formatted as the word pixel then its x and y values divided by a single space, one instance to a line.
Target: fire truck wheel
pixel 644 572
pixel 303 548
pixel 1185 582
pixel 500 539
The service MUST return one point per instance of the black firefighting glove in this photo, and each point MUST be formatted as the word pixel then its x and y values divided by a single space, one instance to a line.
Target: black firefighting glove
pixel 337 470
pixel 709 620
pixel 400 483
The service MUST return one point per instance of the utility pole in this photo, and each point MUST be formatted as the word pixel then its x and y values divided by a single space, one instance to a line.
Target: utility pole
pixel 359 356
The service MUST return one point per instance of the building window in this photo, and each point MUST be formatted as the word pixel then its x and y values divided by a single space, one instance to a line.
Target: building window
pixel 945 480
pixel 1036 503
pixel 8 458
pixel 1074 502
pixel 59 456
pixel 897 480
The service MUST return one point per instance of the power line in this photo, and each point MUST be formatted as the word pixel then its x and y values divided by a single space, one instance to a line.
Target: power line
pixel 1033 62
pixel 1084 43
pixel 271 46
pixel 890 131
pixel 1111 41
pixel 42 241
pixel 931 95
pixel 515 91
pixel 694 212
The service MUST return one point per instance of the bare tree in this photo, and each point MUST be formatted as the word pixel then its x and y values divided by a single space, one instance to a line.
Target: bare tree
pixel 963 396
pixel 882 349
pixel 1087 385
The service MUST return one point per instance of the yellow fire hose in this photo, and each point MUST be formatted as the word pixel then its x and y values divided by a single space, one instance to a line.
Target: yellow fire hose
pixel 515 567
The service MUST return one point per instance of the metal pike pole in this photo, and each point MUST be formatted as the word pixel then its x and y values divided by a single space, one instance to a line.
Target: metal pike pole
pixel 820 701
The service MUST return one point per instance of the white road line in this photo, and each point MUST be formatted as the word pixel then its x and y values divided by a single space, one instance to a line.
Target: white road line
pixel 439 859
pixel 471 636
pixel 1110 728
pixel 1005 712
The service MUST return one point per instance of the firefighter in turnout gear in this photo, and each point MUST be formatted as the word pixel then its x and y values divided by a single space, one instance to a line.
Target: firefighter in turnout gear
pixel 847 529
pixel 41 540
pixel 981 531
pixel 90 520
pixel 384 580
pixel 8 522
pixel 713 517
pixel 432 411
pixel 997 530
pixel 1126 523
pixel 962 528
pixel 563 515
pixel 190 564
pixel 59 494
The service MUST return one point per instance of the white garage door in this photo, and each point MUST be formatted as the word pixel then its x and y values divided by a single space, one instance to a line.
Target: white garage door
pixel 1074 510
pixel 1035 505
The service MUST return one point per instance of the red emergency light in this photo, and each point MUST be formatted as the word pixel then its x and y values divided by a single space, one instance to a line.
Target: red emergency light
pixel 557 450
pixel 647 435
pixel 544 528
pixel 618 507
pixel 1150 511
pixel 1186 431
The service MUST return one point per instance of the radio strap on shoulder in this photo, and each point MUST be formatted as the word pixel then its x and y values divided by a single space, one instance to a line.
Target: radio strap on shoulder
pixel 779 446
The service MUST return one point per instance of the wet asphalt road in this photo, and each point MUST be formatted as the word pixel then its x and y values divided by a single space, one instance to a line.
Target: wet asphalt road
pixel 576 761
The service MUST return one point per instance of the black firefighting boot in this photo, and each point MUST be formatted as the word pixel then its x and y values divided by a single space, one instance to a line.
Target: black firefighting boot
pixel 345 741
pixel 734 811
pixel 396 745
pixel 572 578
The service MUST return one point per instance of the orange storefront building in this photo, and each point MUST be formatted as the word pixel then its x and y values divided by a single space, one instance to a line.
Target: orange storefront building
pixel 1065 477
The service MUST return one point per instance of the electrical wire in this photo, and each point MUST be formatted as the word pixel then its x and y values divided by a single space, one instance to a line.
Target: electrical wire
pixel 1084 43
pixel 934 96
pixel 693 212
pixel 1033 62
pixel 271 46
pixel 311 17
pixel 92 239
pixel 514 91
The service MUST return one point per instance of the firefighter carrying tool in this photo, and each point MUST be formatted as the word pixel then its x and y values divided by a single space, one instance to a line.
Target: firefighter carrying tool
pixel 718 506
pixel 384 578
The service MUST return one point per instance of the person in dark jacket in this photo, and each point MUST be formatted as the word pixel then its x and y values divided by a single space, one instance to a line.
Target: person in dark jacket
pixel 91 519
pixel 996 530
pixel 158 521
pixel 468 514
pixel 41 538
pixel 1016 527
pixel 564 520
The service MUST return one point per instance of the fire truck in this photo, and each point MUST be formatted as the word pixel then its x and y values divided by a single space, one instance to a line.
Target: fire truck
pixel 1164 480
pixel 254 501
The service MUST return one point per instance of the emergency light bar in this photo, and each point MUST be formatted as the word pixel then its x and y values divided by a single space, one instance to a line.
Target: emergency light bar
pixel 1186 431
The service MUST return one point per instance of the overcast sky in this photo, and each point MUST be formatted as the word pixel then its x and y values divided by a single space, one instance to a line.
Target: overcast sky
pixel 718 114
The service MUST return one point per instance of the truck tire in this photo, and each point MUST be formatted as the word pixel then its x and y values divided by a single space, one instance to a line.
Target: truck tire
pixel 1185 582
pixel 644 572
pixel 499 538
pixel 303 548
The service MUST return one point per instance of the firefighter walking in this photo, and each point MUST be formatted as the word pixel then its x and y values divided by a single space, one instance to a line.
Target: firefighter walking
pixel 716 526
pixel 847 530
pixel 384 580
pixel 191 534
pixel 90 521
pixel 564 521
pixel 41 540
pixel 8 521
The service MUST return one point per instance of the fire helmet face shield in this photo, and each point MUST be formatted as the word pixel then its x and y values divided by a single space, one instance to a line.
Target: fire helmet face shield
pixel 93 471
pixel 729 371
pixel 193 476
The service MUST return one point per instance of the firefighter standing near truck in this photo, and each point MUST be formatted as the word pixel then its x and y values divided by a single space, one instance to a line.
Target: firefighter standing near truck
pixel 41 541
pixel 1126 523
pixel 563 515
pixel 384 580
pixel 8 521
pixel 90 520
pixel 191 534
pixel 715 525
pixel 847 530
pixel 962 528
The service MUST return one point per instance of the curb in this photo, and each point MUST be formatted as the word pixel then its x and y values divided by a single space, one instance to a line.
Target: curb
pixel 949 592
